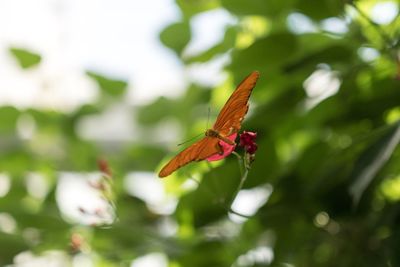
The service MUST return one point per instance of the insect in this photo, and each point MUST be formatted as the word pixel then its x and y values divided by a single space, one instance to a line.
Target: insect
pixel 227 123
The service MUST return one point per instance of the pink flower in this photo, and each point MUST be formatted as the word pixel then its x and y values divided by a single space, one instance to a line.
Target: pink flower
pixel 227 149
pixel 247 140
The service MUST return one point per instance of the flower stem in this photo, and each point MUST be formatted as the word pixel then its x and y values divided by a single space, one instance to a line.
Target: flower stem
pixel 244 171
pixel 240 162
pixel 241 183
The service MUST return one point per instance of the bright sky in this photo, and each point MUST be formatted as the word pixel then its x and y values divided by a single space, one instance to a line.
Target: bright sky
pixel 116 38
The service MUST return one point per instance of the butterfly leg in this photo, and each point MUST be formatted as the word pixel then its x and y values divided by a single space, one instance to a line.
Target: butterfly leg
pixel 219 148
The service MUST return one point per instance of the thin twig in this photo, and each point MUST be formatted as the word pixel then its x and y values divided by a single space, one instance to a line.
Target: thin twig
pixel 387 40
pixel 242 180
pixel 228 209
pixel 239 214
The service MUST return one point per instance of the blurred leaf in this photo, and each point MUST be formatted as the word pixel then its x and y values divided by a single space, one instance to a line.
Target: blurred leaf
pixel 25 58
pixel 270 52
pixel 192 7
pixel 8 118
pixel 86 110
pixel 142 157
pixel 372 160
pixel 109 86
pixel 155 112
pixel 16 160
pixel 212 199
pixel 10 245
pixel 176 36
pixel 186 109
pixel 216 251
pixel 320 9
pixel 257 7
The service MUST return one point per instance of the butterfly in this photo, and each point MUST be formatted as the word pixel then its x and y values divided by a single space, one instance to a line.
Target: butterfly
pixel 226 125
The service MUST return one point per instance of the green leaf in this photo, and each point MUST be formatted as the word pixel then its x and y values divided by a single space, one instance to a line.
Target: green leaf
pixel 185 109
pixel 109 86
pixel 320 9
pixel 25 58
pixel 270 52
pixel 192 7
pixel 257 7
pixel 176 36
pixel 372 160
pixel 212 199
pixel 155 112
pixel 10 245
pixel 8 117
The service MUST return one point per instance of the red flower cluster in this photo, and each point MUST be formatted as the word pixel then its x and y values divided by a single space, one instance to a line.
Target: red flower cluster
pixel 247 140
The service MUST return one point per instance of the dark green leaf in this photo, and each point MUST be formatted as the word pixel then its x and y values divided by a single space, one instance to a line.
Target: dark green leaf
pixel 372 160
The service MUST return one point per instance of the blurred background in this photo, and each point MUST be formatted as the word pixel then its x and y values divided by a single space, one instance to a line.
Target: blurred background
pixel 95 96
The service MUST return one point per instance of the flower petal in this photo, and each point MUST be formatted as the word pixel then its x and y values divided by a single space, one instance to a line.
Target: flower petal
pixel 226 148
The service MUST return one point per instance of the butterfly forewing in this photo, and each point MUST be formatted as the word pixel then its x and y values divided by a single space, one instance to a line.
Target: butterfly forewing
pixel 200 150
pixel 231 115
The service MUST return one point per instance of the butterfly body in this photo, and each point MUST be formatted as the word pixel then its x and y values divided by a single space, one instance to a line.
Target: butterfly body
pixel 216 134
pixel 225 128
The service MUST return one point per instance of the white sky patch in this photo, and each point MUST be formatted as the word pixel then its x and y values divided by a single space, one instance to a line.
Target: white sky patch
pixel 7 223
pixel 26 126
pixel 223 229
pixel 82 260
pixel 5 184
pixel 209 73
pixel 151 260
pixel 149 188
pixel 299 23
pixel 368 54
pixel 75 193
pixel 166 132
pixel 115 38
pixel 261 255
pixel 248 201
pixel 49 258
pixel 208 29
pixel 36 185
pixel 114 124
pixel 321 84
pixel 167 226
pixel 334 25
pixel 384 12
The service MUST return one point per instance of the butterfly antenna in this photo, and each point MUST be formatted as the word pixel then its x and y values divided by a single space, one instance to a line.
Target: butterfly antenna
pixel 190 139
pixel 208 117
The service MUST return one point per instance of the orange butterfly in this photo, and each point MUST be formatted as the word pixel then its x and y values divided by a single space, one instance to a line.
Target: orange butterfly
pixel 225 127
